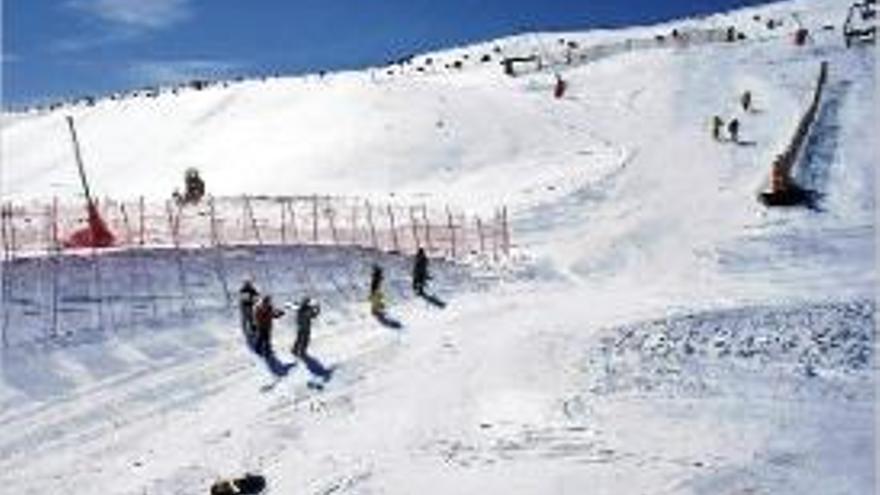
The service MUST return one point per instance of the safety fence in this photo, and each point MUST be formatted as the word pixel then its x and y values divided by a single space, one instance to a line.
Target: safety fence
pixel 36 229
pixel 574 54
pixel 783 164
pixel 173 262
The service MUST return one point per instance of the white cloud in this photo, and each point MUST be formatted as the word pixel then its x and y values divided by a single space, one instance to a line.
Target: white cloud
pixel 154 72
pixel 136 14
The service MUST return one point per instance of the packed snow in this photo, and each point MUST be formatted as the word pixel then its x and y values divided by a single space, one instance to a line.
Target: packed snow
pixel 656 330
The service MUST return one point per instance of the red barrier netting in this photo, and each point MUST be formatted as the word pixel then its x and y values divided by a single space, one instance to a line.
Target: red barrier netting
pixel 39 228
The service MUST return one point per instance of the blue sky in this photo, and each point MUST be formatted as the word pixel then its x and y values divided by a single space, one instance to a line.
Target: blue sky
pixel 54 49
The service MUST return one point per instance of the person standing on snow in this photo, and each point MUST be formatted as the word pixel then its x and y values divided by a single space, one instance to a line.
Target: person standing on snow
pixel 264 314
pixel 376 298
pixel 746 101
pixel 307 311
pixel 733 130
pixel 247 299
pixel 420 275
pixel 717 125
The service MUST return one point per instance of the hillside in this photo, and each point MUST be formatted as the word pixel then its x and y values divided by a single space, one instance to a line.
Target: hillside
pixel 656 329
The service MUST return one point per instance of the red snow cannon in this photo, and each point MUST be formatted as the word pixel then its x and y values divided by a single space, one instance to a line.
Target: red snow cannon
pixel 94 235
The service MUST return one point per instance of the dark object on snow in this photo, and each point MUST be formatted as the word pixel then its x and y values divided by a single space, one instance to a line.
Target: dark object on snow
pixel 420 275
pixel 800 36
pixel 376 298
pixel 746 100
pixel 783 191
pixel 247 299
pixel 264 314
pixel 858 26
pixel 307 311
pixel 561 86
pixel 717 124
pixel 195 186
pixel 95 235
pixel 249 484
pixel 733 130
pixel 731 34
pixel 793 195
pixel 198 84
pixel 509 61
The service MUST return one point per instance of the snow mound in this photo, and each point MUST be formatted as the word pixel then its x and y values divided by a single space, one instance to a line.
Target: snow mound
pixel 700 352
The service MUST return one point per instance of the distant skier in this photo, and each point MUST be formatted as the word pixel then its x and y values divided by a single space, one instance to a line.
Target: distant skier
pixel 733 130
pixel 746 101
pixel 264 314
pixel 420 275
pixel 194 188
pixel 376 298
pixel 307 311
pixel 247 299
pixel 717 125
pixel 559 89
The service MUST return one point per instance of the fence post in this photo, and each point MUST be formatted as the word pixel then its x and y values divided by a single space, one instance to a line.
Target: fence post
pixel 181 273
pixel 505 232
pixel 54 249
pixel 372 226
pixel 128 233
pixel 495 222
pixel 99 283
pixel 480 235
pixel 283 222
pixel 4 275
pixel 394 241
pixel 331 216
pixel 315 219
pixel 292 212
pixel 415 228
pixel 141 214
pixel 451 232
pixel 215 243
pixel 427 228
pixel 354 224
pixel 253 219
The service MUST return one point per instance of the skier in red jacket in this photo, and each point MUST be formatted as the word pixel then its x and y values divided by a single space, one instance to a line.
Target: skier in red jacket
pixel 264 313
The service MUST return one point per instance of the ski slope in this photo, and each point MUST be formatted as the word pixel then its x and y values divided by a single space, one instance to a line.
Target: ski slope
pixel 659 332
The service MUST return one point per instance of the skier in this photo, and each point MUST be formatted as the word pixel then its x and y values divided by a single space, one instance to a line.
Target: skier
pixel 264 313
pixel 559 89
pixel 717 124
pixel 733 130
pixel 746 101
pixel 247 299
pixel 195 186
pixel 376 298
pixel 420 275
pixel 307 311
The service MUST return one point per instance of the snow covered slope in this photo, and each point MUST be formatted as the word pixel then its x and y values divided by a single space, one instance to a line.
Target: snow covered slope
pixel 673 336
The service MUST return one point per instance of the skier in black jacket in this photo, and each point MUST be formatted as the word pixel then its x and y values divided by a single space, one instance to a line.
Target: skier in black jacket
pixel 247 299
pixel 307 311
pixel 420 275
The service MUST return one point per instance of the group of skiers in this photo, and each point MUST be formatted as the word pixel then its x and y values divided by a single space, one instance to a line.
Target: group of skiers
pixel 733 125
pixel 259 312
